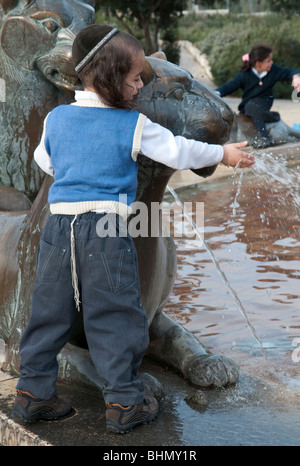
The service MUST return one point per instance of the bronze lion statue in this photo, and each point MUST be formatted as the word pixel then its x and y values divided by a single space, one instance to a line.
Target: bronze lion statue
pixel 244 129
pixel 170 97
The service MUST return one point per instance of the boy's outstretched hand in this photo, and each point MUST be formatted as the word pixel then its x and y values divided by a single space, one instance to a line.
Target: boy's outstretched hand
pixel 233 156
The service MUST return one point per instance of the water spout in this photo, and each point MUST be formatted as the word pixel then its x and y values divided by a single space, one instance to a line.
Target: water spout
pixel 275 170
pixel 221 273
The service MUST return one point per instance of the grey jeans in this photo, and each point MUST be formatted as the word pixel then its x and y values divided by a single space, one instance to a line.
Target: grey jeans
pixel 115 324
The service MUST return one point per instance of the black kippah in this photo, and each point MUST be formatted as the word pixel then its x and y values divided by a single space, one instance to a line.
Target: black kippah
pixel 89 41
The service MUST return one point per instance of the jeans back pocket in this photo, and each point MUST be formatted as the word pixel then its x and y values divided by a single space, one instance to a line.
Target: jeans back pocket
pixel 49 261
pixel 113 271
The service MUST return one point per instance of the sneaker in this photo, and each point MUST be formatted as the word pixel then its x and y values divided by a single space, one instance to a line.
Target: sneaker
pixel 122 419
pixel 28 408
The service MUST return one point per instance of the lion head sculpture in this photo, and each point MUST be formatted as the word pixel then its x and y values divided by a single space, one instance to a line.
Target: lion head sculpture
pixel 36 67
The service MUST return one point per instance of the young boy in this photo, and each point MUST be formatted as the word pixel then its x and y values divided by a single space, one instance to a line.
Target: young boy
pixel 90 148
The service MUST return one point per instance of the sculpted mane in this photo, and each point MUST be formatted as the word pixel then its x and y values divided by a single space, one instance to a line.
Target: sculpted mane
pixel 36 64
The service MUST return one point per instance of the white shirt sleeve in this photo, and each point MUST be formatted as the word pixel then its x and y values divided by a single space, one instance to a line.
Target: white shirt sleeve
pixel 159 144
pixel 41 156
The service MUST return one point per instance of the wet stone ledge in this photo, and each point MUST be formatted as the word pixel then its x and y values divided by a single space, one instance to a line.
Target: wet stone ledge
pixel 12 434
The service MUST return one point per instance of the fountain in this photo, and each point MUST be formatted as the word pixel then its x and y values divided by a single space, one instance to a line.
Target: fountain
pixel 170 97
pixel 238 288
pixel 173 98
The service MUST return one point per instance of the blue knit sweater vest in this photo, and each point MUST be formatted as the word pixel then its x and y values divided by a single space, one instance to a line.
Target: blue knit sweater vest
pixel 90 149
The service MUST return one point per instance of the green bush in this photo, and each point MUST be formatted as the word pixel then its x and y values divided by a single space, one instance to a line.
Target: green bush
pixel 169 45
pixel 226 38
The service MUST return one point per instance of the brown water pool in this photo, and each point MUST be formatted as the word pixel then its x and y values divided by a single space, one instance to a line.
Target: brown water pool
pixel 251 250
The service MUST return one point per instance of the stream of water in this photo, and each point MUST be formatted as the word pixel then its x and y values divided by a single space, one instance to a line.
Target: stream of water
pixel 238 285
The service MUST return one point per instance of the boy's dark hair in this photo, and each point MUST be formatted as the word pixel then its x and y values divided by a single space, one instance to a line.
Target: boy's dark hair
pixel 107 70
pixel 258 53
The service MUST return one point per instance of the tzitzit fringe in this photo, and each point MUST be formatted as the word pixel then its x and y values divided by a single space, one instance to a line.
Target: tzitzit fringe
pixel 73 266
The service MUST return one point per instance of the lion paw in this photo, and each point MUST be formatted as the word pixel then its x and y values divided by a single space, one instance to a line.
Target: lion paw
pixel 210 370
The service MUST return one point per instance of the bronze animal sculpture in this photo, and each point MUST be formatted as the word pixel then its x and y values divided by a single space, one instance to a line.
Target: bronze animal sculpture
pixel 174 99
pixel 36 65
pixel 243 129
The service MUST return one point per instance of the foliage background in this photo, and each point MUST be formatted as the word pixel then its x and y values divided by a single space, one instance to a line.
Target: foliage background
pixel 225 38
pixel 156 19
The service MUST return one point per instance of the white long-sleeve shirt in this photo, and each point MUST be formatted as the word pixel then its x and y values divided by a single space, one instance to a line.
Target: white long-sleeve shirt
pixel 157 143
pixel 151 140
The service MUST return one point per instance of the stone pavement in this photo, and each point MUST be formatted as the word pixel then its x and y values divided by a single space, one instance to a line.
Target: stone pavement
pixel 255 411
pixel 251 413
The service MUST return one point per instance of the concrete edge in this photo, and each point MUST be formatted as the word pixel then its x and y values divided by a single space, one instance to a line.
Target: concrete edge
pixel 13 434
pixel 198 56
